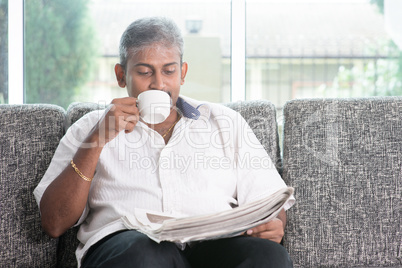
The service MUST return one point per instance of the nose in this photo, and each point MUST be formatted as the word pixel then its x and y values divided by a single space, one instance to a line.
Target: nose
pixel 157 81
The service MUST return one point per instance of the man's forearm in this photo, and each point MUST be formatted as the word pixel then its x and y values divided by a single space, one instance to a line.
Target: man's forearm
pixel 65 198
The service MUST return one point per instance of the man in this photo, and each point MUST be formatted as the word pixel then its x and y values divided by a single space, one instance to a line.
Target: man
pixel 112 162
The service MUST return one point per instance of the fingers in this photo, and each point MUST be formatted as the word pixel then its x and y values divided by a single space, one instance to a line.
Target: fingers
pixel 125 100
pixel 272 230
pixel 121 114
pixel 130 122
pixel 124 113
pixel 124 107
pixel 271 235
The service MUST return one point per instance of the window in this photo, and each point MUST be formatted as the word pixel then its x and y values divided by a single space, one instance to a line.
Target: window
pixel 240 49
pixel 71 48
pixel 305 49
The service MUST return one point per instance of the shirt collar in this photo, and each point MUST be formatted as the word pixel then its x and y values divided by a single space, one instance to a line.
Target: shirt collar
pixel 188 109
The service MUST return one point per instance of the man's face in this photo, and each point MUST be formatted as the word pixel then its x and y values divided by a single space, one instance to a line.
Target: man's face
pixel 155 68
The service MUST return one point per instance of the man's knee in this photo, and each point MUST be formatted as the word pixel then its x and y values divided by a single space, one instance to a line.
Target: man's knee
pixel 239 252
pixel 145 252
pixel 164 254
pixel 135 249
pixel 267 253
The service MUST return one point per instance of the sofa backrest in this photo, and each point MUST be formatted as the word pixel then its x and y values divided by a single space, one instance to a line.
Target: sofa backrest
pixel 29 135
pixel 260 115
pixel 344 159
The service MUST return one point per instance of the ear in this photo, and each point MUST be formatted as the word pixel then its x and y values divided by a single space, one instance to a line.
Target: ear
pixel 184 68
pixel 120 75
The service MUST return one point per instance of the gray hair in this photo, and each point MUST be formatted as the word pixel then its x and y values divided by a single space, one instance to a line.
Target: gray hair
pixel 147 31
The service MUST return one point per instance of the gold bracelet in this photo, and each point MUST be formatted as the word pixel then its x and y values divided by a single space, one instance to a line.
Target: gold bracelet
pixel 79 172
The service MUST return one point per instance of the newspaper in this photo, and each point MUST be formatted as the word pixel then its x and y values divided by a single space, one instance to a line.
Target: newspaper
pixel 162 227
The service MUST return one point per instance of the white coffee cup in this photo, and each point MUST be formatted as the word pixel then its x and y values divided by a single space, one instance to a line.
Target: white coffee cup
pixel 154 106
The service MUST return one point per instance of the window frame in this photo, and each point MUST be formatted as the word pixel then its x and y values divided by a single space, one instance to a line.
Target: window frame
pixel 16 51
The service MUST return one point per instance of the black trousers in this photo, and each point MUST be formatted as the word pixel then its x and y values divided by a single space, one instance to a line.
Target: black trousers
pixel 133 249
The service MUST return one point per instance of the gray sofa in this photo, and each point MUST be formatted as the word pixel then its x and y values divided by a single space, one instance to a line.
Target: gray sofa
pixel 342 156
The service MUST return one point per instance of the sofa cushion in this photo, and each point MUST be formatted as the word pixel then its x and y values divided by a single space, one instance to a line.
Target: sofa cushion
pixel 344 158
pixel 77 109
pixel 29 135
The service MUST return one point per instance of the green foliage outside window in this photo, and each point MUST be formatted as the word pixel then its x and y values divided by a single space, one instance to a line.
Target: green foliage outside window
pixel 378 77
pixel 59 50
pixel 379 3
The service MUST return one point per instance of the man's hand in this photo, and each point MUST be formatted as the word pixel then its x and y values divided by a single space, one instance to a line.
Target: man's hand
pixel 273 230
pixel 122 114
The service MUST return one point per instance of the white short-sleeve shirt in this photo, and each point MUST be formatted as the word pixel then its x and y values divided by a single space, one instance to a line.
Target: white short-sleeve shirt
pixel 212 162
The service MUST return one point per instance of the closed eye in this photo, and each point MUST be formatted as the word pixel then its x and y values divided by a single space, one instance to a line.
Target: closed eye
pixel 144 73
pixel 168 72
